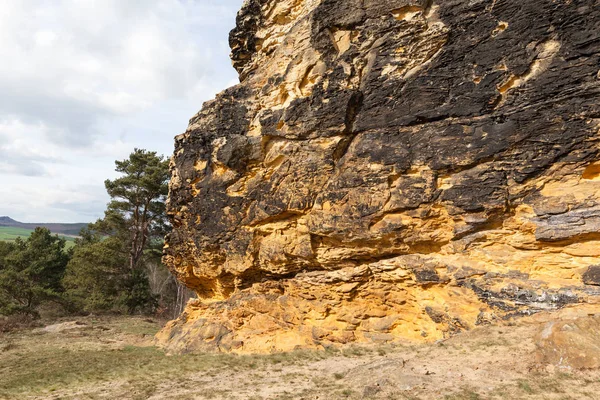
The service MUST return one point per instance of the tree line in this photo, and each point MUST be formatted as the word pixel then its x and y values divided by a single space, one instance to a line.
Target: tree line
pixel 115 265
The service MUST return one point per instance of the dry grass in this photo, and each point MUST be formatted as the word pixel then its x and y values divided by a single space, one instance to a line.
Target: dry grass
pixel 108 350
pixel 108 358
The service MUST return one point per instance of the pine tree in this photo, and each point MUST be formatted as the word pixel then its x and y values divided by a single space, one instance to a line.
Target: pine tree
pixel 108 269
pixel 137 208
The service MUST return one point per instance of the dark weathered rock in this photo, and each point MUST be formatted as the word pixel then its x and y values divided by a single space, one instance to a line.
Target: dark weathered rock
pixel 390 156
pixel 592 275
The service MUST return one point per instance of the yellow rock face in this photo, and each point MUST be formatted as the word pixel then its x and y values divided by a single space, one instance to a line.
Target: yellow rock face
pixel 388 171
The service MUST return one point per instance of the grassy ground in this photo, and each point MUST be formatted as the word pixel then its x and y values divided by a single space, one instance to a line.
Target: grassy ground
pixel 114 358
pixel 9 234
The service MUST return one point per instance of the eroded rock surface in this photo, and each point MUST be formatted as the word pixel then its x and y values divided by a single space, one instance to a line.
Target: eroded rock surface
pixel 389 171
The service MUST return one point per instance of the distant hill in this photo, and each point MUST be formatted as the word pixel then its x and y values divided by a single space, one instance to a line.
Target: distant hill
pixel 60 229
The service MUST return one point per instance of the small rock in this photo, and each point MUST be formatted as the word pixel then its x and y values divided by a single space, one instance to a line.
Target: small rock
pixel 592 275
pixel 371 390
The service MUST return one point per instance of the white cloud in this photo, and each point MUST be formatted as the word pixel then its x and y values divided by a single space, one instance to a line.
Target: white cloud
pixel 96 57
pixel 23 150
pixel 86 81
pixel 67 202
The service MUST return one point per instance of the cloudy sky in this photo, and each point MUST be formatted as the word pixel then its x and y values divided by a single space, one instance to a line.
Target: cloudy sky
pixel 84 82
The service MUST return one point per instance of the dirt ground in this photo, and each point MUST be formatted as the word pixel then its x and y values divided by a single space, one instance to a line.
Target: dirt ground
pixel 114 358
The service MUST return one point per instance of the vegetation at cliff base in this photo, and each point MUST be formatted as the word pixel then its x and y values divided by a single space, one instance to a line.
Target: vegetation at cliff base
pixel 31 272
pixel 113 266
pixel 109 267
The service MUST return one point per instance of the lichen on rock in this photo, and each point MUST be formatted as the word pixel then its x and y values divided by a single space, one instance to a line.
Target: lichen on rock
pixel 384 171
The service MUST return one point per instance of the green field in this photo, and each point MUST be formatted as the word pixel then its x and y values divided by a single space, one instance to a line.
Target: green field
pixel 9 234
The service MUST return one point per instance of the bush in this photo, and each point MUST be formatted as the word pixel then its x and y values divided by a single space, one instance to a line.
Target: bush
pixel 31 272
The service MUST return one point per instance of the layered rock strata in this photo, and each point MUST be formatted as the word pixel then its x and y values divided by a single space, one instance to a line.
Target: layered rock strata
pixel 390 170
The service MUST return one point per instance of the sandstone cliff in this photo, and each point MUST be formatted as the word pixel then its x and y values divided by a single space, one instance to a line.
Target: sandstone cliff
pixel 390 170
